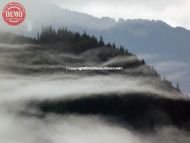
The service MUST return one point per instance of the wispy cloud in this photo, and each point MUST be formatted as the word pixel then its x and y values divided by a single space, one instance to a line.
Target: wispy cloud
pixel 17 90
pixel 171 66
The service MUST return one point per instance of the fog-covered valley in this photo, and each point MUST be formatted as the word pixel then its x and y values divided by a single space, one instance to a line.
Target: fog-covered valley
pixel 43 102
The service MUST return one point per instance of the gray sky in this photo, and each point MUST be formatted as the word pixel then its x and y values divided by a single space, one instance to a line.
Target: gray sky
pixel 174 12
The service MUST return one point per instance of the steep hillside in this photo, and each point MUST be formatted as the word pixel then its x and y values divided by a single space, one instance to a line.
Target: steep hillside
pixel 48 90
pixel 163 46
pixel 55 51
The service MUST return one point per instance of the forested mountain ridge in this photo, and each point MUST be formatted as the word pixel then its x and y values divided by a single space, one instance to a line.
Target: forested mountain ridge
pixel 53 50
pixel 37 88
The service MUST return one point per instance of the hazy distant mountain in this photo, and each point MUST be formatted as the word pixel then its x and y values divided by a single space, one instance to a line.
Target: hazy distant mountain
pixel 165 47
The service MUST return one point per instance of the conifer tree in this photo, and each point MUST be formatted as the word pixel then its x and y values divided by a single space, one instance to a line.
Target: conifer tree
pixel 101 41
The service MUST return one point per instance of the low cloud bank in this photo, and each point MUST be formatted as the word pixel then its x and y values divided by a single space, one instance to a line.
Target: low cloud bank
pixel 94 106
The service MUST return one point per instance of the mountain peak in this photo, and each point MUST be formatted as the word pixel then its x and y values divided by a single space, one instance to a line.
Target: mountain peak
pixel 108 19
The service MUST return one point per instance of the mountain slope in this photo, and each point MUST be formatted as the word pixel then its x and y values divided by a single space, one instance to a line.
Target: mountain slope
pixel 163 46
pixel 46 101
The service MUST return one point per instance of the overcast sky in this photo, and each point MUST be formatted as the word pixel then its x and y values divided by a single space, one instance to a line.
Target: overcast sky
pixel 174 12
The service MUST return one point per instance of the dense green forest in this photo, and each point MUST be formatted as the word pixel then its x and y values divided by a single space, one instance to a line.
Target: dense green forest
pixel 77 42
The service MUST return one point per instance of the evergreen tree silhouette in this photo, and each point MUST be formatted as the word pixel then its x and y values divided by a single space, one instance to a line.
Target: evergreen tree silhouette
pixel 101 41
